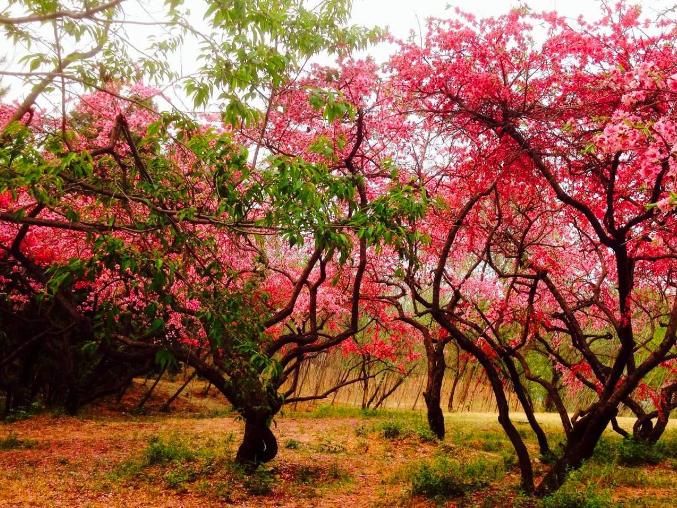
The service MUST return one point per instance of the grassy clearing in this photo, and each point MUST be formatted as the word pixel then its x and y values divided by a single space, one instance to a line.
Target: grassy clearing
pixel 329 456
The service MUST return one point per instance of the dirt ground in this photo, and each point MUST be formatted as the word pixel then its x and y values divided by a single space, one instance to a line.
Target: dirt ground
pixel 113 456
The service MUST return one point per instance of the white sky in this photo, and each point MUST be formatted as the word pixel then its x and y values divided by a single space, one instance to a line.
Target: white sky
pixel 401 16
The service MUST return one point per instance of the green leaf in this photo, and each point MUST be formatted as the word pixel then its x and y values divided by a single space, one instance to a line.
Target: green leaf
pixel 164 358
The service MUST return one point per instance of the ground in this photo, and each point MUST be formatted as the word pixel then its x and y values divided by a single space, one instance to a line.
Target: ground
pixel 114 455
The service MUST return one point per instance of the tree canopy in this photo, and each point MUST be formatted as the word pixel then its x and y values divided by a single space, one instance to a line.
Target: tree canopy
pixel 509 193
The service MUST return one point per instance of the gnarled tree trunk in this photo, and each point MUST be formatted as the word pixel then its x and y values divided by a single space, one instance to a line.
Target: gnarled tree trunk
pixel 433 390
pixel 580 446
pixel 259 444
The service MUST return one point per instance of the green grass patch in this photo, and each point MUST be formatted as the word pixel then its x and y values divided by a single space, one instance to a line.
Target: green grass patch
pixel 628 452
pixel 260 483
pixel 403 427
pixel 292 444
pixel 423 432
pixel 12 442
pixel 634 453
pixel 215 413
pixel 393 429
pixel 307 474
pixel 329 446
pixel 177 479
pixel 571 497
pixel 442 479
pixel 329 411
pixel 161 451
pixel 667 445
pixel 175 460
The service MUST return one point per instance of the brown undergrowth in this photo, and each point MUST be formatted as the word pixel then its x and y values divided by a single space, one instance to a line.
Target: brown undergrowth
pixel 116 455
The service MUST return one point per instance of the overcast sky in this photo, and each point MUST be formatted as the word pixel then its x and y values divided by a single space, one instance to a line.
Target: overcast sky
pixel 403 16
pixel 400 15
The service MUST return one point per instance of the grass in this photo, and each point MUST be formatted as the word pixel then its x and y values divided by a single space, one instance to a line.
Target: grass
pixel 617 472
pixel 23 413
pixel 405 426
pixel 174 460
pixel 633 453
pixel 325 411
pixel 667 445
pixel 330 446
pixel 588 498
pixel 628 452
pixel 12 442
pixel 329 456
pixel 582 491
pixel 161 451
pixel 443 478
pixel 393 429
pixel 307 474
pixel 215 413
pixel 184 465
pixel 260 483
pixel 292 444
pixel 423 432
pixel 391 425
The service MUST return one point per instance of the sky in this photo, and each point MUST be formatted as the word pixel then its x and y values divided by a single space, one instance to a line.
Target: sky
pixel 400 16
pixel 403 16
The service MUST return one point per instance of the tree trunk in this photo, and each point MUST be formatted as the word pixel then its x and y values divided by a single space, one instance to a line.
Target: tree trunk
pixel 644 429
pixel 433 389
pixel 257 404
pixel 549 405
pixel 525 401
pixel 526 470
pixel 8 402
pixel 122 392
pixel 259 444
pixel 618 429
pixel 659 427
pixel 460 370
pixel 418 394
pixel 165 407
pixel 580 446
pixel 147 396
pixel 377 390
pixel 466 387
pixel 365 383
pixel 391 390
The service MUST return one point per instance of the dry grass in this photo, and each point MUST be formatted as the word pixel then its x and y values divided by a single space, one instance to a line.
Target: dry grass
pixel 328 457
